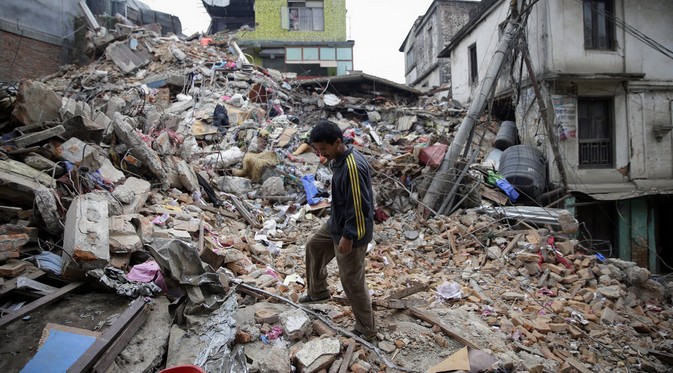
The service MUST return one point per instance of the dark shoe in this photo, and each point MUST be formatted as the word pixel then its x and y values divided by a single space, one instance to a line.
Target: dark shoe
pixel 307 299
pixel 366 337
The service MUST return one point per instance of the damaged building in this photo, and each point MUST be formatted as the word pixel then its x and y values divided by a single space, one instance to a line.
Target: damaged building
pixel 607 82
pixel 307 38
pixel 155 207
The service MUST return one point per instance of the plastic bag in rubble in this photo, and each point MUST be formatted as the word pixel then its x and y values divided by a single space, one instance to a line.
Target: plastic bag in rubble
pixel 311 190
pixel 449 291
pixel 225 158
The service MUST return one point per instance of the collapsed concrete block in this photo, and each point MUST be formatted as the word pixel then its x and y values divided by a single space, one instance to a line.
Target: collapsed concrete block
pixel 45 202
pixel 19 181
pixel 273 186
pixel 317 348
pixel 36 137
pixel 74 150
pixel 84 128
pixel 36 103
pixel 41 163
pixel 72 108
pixel 149 157
pixel 137 189
pixel 114 105
pixel 296 323
pixel 187 175
pixel 123 235
pixel 233 185
pixel 127 59
pixel 86 235
pixel 162 144
pixel 114 207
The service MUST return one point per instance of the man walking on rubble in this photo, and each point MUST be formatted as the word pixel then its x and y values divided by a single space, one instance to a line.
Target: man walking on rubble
pixel 347 232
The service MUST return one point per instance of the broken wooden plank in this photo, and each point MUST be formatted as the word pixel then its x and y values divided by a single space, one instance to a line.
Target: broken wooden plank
pixel 433 320
pixel 32 306
pixel 244 211
pixel 577 365
pixel 120 343
pixel 347 357
pixel 480 292
pixel 665 357
pixel 416 287
pixel 511 244
pixel 110 336
pixel 221 211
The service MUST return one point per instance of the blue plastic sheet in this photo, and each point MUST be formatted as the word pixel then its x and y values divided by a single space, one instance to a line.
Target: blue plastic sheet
pixel 308 181
pixel 508 189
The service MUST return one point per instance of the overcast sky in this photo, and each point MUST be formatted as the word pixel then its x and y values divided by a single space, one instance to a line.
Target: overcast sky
pixel 377 26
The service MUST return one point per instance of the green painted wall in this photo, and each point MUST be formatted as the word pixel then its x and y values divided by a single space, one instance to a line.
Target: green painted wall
pixel 268 20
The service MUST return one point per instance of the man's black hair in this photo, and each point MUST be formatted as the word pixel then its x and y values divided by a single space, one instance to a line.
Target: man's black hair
pixel 326 132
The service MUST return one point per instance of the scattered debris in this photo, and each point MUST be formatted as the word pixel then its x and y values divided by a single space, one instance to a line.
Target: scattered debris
pixel 164 174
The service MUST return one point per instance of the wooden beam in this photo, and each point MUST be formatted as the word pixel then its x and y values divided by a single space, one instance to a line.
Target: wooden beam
pixel 345 364
pixel 433 320
pixel 109 337
pixel 32 306
pixel 416 287
pixel 118 345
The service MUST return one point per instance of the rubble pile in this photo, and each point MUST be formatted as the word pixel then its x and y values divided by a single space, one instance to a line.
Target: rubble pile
pixel 180 168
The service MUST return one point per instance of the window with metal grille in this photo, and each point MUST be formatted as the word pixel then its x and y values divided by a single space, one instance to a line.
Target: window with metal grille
pixel 599 29
pixel 594 132
pixel 472 60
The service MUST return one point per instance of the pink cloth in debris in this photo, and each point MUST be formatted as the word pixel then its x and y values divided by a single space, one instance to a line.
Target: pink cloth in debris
pixel 147 272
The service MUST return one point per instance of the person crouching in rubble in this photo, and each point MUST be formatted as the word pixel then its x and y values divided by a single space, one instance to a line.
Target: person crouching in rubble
pixel 347 232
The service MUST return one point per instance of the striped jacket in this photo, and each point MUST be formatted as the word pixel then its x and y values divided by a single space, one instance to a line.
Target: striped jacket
pixel 352 199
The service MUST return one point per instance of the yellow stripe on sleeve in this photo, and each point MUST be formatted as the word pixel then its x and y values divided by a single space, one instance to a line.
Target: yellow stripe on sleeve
pixel 357 196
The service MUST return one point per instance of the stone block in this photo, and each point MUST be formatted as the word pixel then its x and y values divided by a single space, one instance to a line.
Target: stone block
pixel 86 234
pixel 127 59
pixel 266 316
pixel 296 323
pixel 41 163
pixel 75 150
pixel 187 176
pixel 72 108
pixel 315 348
pixel 84 128
pixel 36 103
pixel 45 202
pixel 123 235
pixel 138 190
pixel 140 149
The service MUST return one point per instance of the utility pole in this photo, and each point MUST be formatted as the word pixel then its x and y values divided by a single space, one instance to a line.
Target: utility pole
pixel 547 116
pixel 443 178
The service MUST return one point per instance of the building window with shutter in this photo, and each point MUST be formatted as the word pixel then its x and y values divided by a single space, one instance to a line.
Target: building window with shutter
pixel 472 61
pixel 599 29
pixel 595 132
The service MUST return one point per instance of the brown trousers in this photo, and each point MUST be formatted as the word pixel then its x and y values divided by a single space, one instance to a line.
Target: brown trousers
pixel 320 250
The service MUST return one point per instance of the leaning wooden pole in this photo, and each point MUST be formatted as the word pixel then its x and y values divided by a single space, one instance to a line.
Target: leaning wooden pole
pixel 442 178
pixel 545 114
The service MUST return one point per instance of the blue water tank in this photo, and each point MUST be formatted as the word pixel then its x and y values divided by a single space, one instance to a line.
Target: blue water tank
pixel 506 136
pixel 524 167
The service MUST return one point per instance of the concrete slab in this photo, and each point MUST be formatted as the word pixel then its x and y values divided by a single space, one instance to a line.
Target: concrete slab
pixel 86 234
